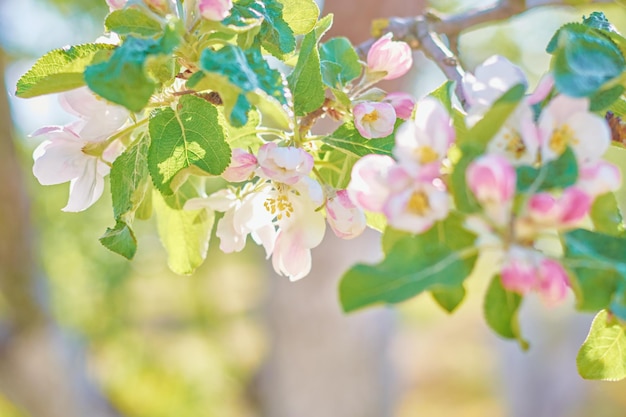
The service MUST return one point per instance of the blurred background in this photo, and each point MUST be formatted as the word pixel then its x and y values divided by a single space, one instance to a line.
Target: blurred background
pixel 85 333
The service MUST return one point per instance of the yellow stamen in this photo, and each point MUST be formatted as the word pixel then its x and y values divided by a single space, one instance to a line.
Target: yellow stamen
pixel 371 117
pixel 418 203
pixel 561 137
pixel 426 154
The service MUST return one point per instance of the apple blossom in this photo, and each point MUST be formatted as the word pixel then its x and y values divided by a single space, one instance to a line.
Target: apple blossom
pixel 242 166
pixel 368 188
pixel 518 139
pixel 374 120
pixel 283 164
pixel 215 9
pixel 393 57
pixel 345 219
pixel 546 210
pixel 116 4
pixel 566 121
pixel 403 104
pixel 492 180
pixel 599 178
pixel 518 272
pixel 552 282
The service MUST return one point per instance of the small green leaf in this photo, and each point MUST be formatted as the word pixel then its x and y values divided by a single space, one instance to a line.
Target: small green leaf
pixel 339 62
pixel 337 167
pixel 300 15
pixel 134 21
pixel 185 235
pixel 190 136
pixel 347 139
pixel 123 79
pixel 305 81
pixel 463 197
pixel 603 354
pixel 501 308
pixel 606 216
pixel 120 240
pixel 60 70
pixel 444 94
pixel 558 173
pixel 129 178
pixel 598 20
pixel 449 298
pixel 440 258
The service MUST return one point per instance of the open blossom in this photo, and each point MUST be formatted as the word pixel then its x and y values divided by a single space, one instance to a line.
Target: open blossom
pixel 73 153
pixel 344 217
pixel 215 9
pixel 492 180
pixel 403 104
pixel 426 139
pixel 567 121
pixel 283 164
pixel 518 139
pixel 526 270
pixel 394 58
pixel 374 120
pixel 369 187
pixel 242 166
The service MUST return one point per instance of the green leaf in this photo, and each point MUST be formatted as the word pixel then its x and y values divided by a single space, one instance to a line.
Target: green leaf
pixel 444 94
pixel 129 178
pixel 598 20
pixel 347 139
pixel 558 173
pixel 185 235
pixel 449 298
pixel 274 35
pixel 60 70
pixel 190 136
pixel 337 167
pixel 134 21
pixel 305 81
pixel 597 261
pixel 123 79
pixel 242 79
pixel 442 257
pixel 121 240
pixel 584 59
pixel 339 62
pixel 606 216
pixel 463 197
pixel 300 15
pixel 603 354
pixel 501 308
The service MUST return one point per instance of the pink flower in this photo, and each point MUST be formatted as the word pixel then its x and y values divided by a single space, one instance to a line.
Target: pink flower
pixel 116 4
pixel 284 164
pixel 242 166
pixel 417 208
pixel 426 139
pixel 374 120
pixel 492 180
pixel 368 187
pixel 215 9
pixel 552 282
pixel 344 218
pixel 599 178
pixel 545 210
pixel 490 80
pixel 394 58
pixel 403 104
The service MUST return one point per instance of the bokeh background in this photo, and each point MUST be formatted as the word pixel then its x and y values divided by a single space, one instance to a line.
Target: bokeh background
pixel 85 333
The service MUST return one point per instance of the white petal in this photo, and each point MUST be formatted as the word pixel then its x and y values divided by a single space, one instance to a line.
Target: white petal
pixel 59 161
pixel 86 189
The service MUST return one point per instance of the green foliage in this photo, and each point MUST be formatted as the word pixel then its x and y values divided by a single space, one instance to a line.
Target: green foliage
pixel 121 240
pixel 603 354
pixel 501 308
pixel 123 79
pixel 190 136
pixel 606 216
pixel 585 57
pixel 348 140
pixel 60 70
pixel 305 81
pixel 558 173
pixel 133 20
pixel 442 257
pixel 449 298
pixel 242 79
pixel 339 62
pixel 300 15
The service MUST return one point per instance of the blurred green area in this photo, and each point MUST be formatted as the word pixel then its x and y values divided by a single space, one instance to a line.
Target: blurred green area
pixel 168 346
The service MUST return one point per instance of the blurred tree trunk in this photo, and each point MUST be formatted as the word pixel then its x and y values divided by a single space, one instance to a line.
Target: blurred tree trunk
pixel 40 370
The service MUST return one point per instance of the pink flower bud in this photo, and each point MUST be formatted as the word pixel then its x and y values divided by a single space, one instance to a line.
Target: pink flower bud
pixel 346 219
pixel 552 282
pixel 116 4
pixel 284 164
pixel 241 167
pixel 492 180
pixel 599 178
pixel 374 120
pixel 215 9
pixel 403 104
pixel 519 272
pixel 394 58
pixel 546 210
pixel 368 187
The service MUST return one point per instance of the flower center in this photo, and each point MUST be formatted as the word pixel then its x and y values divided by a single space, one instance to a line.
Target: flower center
pixel 561 137
pixel 418 203
pixel 426 155
pixel 515 145
pixel 371 117
pixel 279 206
